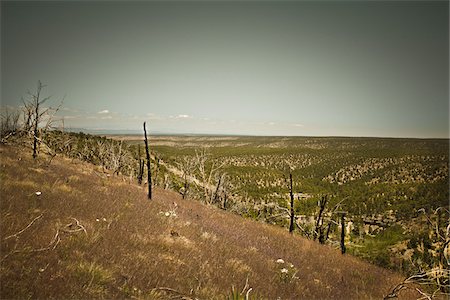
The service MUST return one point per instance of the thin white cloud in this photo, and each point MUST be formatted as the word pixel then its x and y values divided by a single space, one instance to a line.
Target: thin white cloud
pixel 183 117
pixel 106 118
pixel 105 111
pixel 298 125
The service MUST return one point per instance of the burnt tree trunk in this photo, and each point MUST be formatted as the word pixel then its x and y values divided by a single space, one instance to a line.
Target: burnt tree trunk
pixel 291 193
pixel 36 125
pixel 225 201
pixel 186 186
pixel 319 230
pixel 343 233
pixel 149 175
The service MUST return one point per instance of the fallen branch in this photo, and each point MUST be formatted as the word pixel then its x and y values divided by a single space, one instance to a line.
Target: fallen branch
pixel 430 278
pixel 51 246
pixel 79 227
pixel 16 235
pixel 54 241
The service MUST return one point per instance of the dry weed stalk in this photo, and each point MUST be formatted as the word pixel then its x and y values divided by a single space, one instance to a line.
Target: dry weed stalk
pixel 245 292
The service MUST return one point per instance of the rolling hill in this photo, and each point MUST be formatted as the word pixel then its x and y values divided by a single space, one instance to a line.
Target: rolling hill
pixel 68 229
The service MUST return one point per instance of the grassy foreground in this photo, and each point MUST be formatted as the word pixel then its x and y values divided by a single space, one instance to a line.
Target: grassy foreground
pixel 89 234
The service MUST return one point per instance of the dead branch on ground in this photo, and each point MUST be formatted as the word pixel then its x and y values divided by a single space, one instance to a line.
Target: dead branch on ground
pixel 16 235
pixel 70 228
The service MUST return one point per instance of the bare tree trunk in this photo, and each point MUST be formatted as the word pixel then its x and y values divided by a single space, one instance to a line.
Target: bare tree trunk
pixel 225 201
pixel 36 121
pixel 291 226
pixel 149 175
pixel 319 231
pixel 343 233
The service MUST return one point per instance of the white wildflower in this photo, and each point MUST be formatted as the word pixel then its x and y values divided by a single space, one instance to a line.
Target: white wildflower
pixel 167 214
pixel 291 265
pixel 104 219
pixel 98 220
pixel 280 261
pixel 284 271
pixel 38 193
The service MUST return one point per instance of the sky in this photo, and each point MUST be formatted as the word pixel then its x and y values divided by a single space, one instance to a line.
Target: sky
pixel 323 68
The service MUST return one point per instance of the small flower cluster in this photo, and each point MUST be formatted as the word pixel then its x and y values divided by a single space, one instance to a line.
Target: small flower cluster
pixel 171 213
pixel 288 271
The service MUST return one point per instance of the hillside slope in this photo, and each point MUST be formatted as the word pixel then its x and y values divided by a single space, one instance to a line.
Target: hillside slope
pixel 91 235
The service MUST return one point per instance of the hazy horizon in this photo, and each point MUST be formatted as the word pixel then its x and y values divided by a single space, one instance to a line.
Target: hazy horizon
pixel 269 68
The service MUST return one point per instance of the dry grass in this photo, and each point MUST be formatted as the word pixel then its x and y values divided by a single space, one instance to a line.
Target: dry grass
pixel 155 249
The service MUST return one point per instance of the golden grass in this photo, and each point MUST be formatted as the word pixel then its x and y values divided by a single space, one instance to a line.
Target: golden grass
pixel 131 248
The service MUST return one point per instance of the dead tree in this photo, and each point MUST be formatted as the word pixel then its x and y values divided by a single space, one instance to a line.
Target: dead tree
pixel 186 166
pixel 9 124
pixel 34 115
pixel 149 175
pixel 431 280
pixel 318 231
pixel 206 173
pixel 343 249
pixel 221 189
pixel 116 157
pixel 36 102
pixel 291 193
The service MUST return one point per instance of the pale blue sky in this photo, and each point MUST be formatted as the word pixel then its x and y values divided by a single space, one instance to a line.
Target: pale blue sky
pixel 358 68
